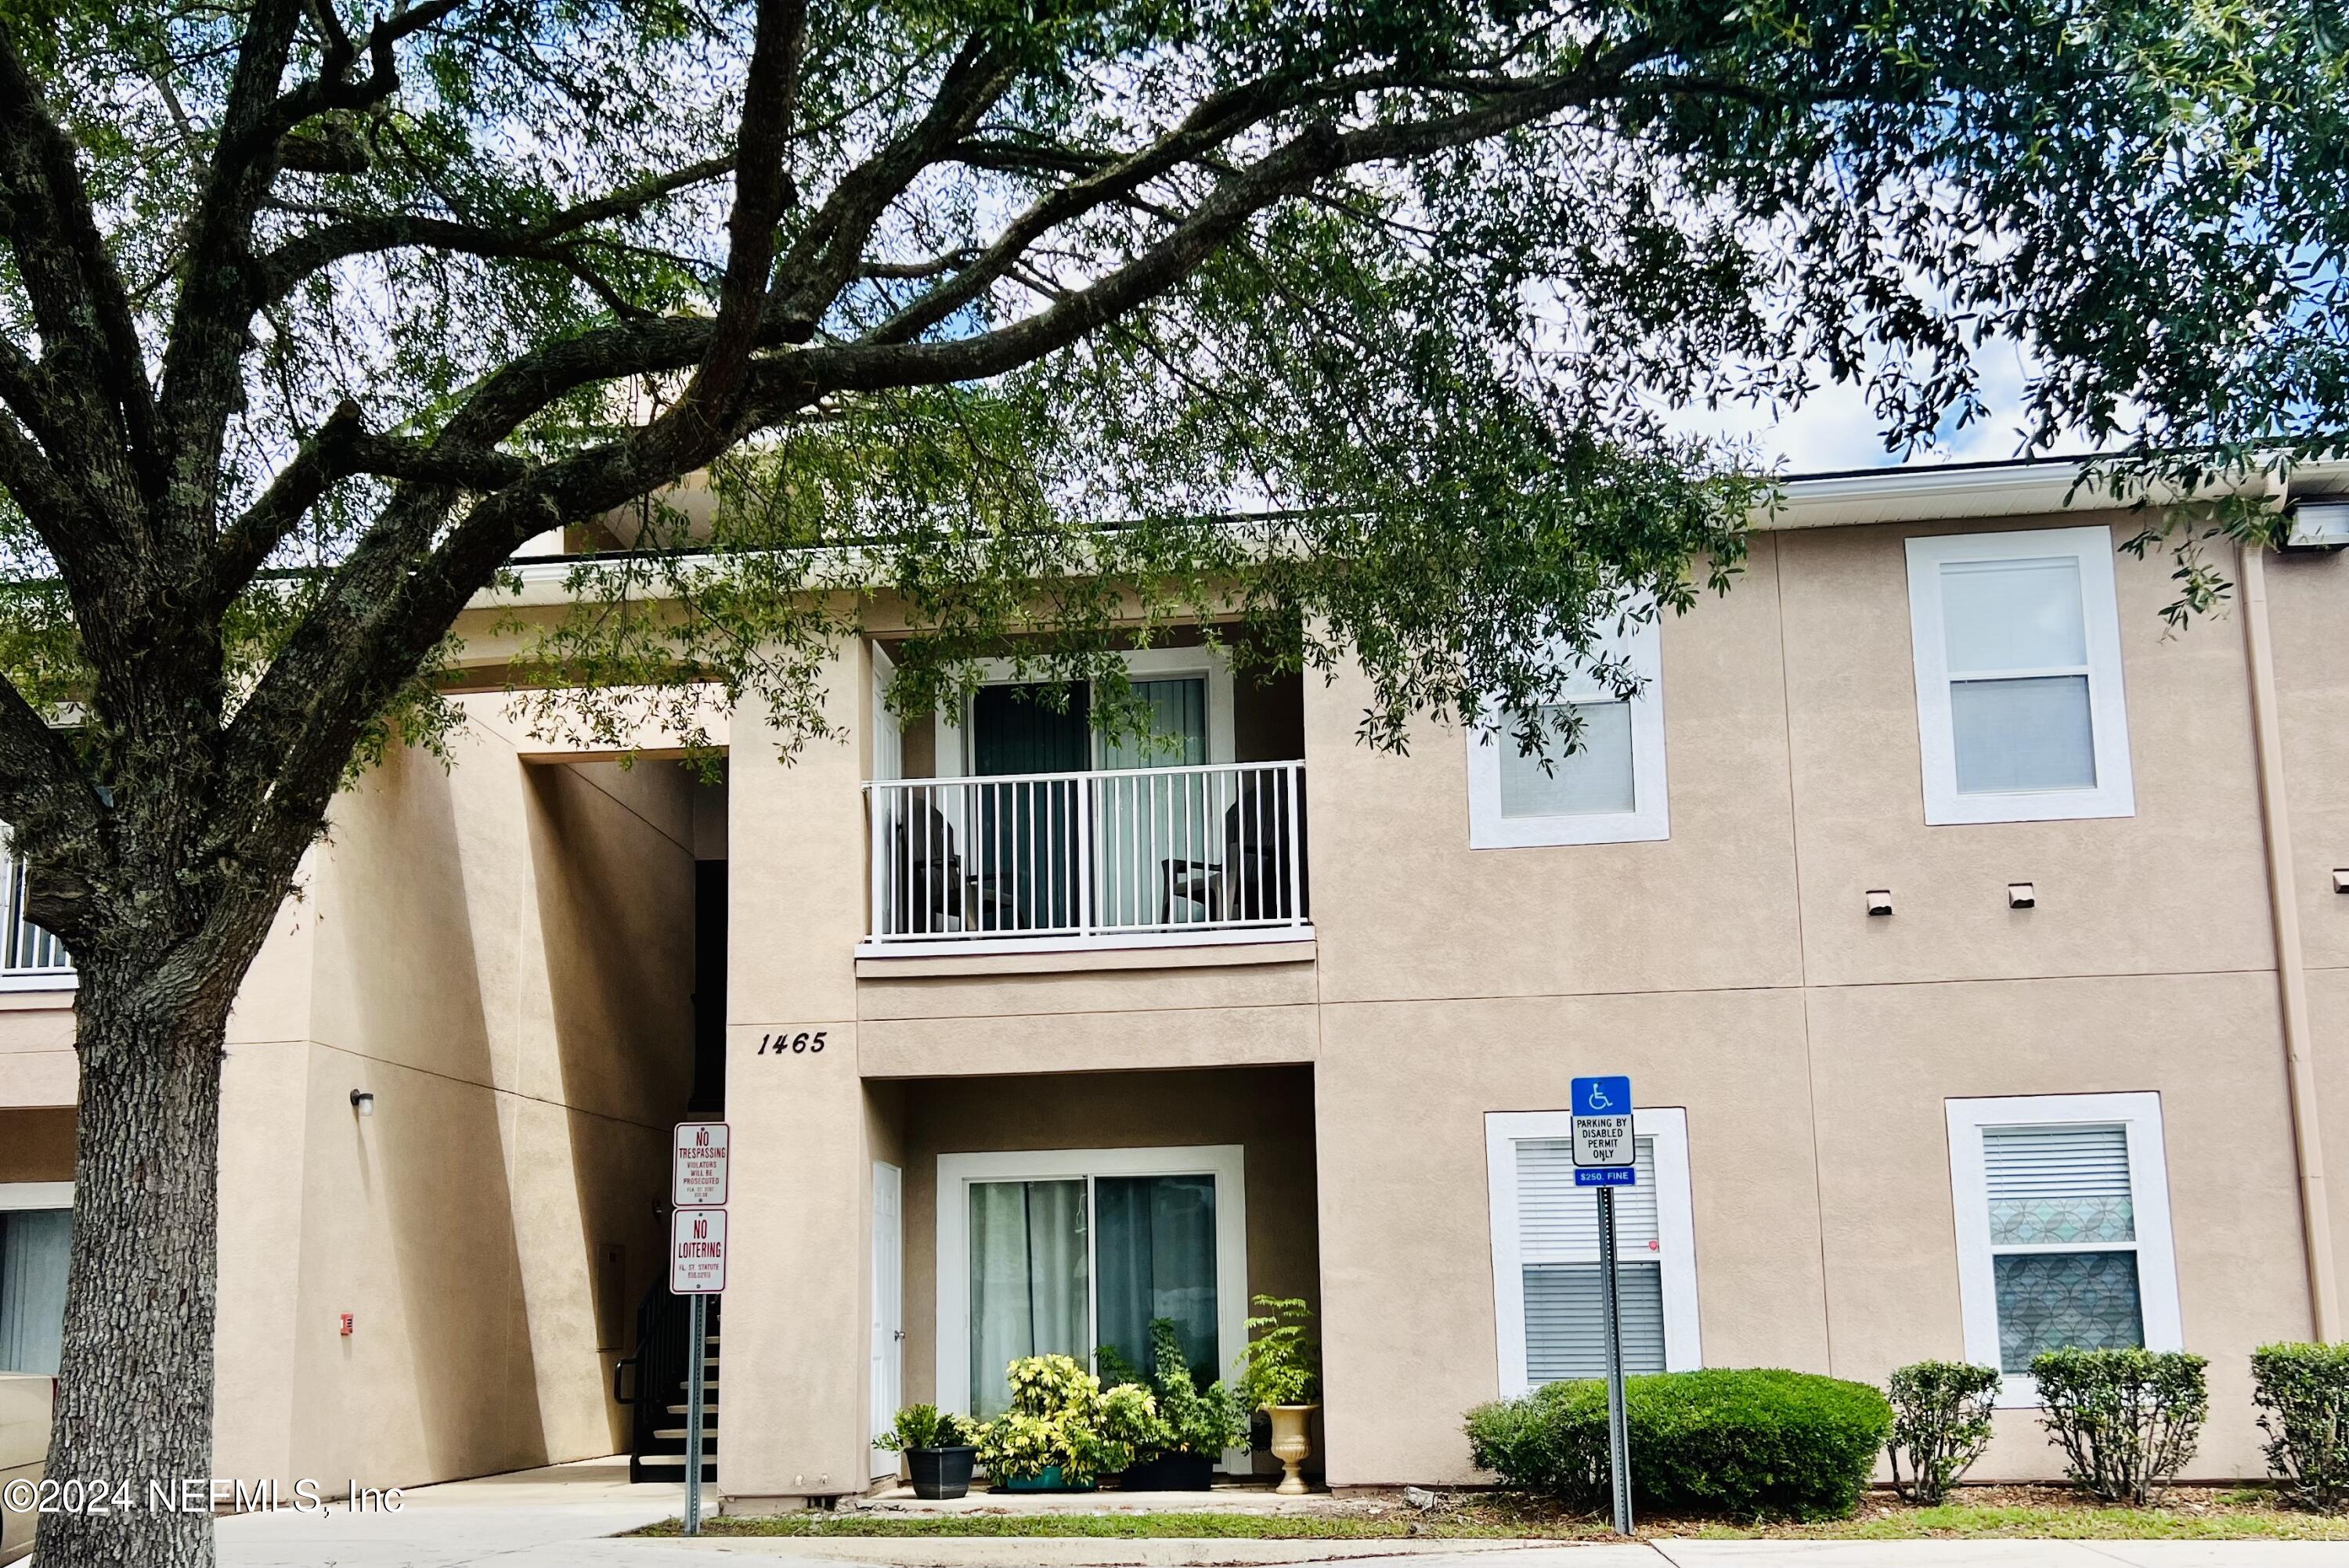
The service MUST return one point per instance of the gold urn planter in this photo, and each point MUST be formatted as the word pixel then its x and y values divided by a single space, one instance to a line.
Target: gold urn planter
pixel 1292 1442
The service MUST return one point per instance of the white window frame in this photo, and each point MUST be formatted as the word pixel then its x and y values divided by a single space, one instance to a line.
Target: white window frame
pixel 1227 1162
pixel 1667 1129
pixel 1640 646
pixel 2115 792
pixel 2156 1264
pixel 1212 664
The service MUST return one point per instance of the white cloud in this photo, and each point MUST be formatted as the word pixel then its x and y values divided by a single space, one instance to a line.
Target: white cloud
pixel 1834 430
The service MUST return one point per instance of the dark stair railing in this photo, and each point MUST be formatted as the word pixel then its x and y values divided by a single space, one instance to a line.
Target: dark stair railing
pixel 657 1430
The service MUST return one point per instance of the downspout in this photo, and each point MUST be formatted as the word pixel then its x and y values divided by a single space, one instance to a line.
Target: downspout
pixel 2291 970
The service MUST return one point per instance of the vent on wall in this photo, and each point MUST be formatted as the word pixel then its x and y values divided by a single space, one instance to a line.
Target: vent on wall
pixel 2318 525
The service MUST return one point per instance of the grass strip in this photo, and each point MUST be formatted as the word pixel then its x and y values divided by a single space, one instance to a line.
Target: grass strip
pixel 1977 1521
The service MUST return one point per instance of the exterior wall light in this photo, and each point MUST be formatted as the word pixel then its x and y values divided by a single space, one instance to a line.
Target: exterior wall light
pixel 2341 879
pixel 363 1102
pixel 2022 895
pixel 1880 901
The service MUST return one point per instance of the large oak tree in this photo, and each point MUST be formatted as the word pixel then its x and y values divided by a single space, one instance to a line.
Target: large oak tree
pixel 1361 321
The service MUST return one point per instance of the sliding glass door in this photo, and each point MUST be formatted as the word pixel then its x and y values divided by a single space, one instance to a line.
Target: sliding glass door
pixel 1063 1258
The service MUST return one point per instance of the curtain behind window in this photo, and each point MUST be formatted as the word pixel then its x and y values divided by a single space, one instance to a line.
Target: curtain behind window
pixel 1028 1284
pixel 34 1244
pixel 1156 1255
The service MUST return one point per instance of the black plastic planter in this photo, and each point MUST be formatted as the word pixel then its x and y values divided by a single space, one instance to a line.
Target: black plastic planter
pixel 940 1472
pixel 1171 1472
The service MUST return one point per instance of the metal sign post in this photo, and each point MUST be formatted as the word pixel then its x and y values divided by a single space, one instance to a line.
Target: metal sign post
pixel 698 1354
pixel 1619 1435
pixel 698 1173
pixel 1605 1157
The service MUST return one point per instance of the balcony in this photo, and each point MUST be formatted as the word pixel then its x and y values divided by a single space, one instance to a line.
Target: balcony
pixel 1142 857
pixel 31 959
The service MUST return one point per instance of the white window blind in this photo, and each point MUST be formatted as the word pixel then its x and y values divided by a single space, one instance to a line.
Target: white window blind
pixel 1557 1240
pixel 1609 788
pixel 2017 639
pixel 2062 1228
pixel 1597 776
pixel 2062 1233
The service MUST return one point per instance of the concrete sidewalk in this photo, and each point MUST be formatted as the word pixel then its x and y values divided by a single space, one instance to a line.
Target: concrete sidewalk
pixel 566 1516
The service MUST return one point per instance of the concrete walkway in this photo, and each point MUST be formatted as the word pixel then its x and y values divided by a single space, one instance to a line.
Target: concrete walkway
pixel 566 1517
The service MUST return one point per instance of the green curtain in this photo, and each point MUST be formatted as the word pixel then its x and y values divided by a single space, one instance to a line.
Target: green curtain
pixel 1156 1257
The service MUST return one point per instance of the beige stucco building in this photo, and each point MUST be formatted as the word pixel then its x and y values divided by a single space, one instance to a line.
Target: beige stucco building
pixel 1095 1036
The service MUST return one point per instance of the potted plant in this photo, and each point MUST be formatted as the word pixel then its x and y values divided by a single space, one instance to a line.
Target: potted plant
pixel 1195 1425
pixel 1062 1431
pixel 938 1446
pixel 1279 1373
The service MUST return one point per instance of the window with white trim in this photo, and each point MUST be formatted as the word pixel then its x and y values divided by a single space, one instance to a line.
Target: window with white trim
pixel 2020 712
pixel 1608 789
pixel 2064 1239
pixel 30 957
pixel 1546 1276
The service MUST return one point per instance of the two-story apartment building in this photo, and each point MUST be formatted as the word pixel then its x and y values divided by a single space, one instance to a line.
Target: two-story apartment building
pixel 1973 939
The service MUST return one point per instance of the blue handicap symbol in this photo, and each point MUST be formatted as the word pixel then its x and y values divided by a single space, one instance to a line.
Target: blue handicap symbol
pixel 1603 1096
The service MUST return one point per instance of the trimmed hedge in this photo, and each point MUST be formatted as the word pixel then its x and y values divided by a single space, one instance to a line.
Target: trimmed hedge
pixel 2303 1394
pixel 2126 1420
pixel 1942 1421
pixel 1747 1444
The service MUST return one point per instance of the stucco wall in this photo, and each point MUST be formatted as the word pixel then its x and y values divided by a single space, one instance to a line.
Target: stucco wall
pixel 1734 971
pixel 500 954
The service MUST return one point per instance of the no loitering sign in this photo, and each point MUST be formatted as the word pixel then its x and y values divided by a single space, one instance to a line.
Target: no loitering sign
pixel 696 1252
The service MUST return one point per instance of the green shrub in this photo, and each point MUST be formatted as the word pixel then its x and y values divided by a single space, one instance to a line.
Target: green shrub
pixel 1280 1365
pixel 1059 1416
pixel 1747 1444
pixel 1941 1422
pixel 928 1427
pixel 2125 1420
pixel 1196 1420
pixel 2303 1394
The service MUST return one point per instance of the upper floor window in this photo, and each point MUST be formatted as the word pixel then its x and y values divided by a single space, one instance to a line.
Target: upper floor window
pixel 2064 1240
pixel 2016 638
pixel 1609 789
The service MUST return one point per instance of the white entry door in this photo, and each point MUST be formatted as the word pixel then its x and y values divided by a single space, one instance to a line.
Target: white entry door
pixel 888 1306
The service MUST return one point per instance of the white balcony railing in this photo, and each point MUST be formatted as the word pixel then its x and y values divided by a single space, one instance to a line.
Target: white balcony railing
pixel 26 952
pixel 1131 858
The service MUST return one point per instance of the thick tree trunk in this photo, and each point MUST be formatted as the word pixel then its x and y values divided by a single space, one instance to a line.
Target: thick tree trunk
pixel 132 1439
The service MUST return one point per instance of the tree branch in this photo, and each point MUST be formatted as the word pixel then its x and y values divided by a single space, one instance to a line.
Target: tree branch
pixel 367 233
pixel 80 301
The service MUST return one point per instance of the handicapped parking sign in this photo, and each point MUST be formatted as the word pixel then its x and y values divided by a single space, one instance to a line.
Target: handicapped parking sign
pixel 1603 1155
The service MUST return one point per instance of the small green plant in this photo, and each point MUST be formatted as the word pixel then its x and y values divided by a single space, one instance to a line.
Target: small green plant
pixel 1744 1444
pixel 2126 1420
pixel 1060 1417
pixel 928 1427
pixel 1112 1366
pixel 1196 1420
pixel 1942 1421
pixel 1280 1366
pixel 2303 1394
